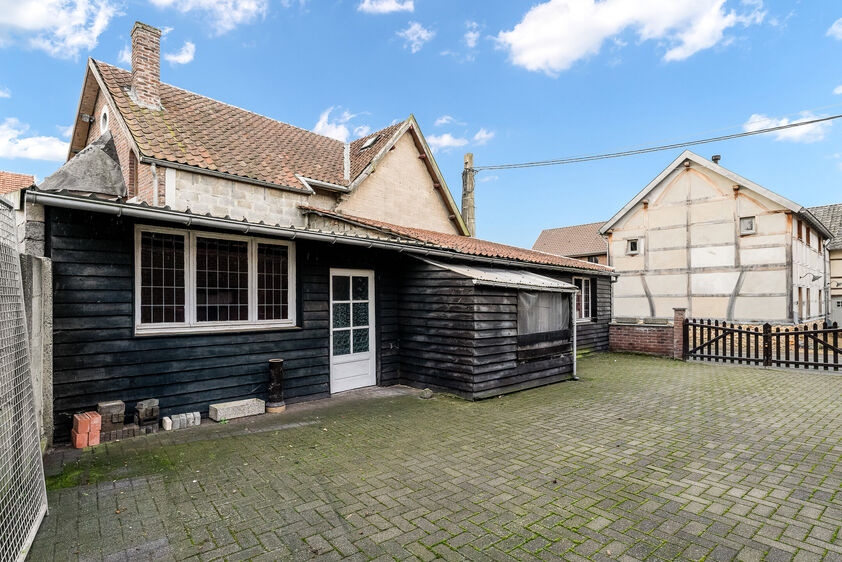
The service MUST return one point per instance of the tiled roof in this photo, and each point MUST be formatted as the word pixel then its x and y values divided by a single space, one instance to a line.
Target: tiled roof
pixel 579 240
pixel 464 244
pixel 831 217
pixel 9 181
pixel 202 132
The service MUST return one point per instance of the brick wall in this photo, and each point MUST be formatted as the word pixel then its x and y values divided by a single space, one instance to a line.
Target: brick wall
pixel 665 340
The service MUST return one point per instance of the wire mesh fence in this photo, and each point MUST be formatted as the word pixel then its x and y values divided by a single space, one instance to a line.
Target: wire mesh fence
pixel 23 497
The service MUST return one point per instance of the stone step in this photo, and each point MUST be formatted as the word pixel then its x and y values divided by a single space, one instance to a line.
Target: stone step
pixel 236 409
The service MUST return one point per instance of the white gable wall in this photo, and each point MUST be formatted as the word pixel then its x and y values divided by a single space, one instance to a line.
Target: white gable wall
pixel 692 254
pixel 400 191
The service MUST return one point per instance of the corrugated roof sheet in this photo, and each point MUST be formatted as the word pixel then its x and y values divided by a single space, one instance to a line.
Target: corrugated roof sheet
pixel 497 277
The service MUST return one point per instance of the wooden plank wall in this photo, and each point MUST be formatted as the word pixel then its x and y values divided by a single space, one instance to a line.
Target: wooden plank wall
pixel 463 338
pixel 97 357
pixel 436 328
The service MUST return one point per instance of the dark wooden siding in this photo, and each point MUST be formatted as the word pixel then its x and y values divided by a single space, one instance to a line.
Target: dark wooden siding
pixel 463 338
pixel 96 356
pixel 436 328
pixel 593 336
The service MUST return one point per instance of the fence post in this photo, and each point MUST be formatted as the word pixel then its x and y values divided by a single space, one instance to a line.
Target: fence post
pixel 679 333
pixel 767 345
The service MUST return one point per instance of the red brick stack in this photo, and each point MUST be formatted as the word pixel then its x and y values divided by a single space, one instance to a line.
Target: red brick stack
pixel 86 429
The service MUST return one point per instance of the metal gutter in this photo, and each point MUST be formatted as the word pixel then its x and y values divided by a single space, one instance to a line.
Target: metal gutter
pixel 223 175
pixel 94 205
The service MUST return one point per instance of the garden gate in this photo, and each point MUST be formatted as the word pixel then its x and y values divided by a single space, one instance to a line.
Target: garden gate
pixel 23 496
pixel 816 347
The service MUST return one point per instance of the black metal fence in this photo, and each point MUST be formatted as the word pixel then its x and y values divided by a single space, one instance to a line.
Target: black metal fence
pixel 816 347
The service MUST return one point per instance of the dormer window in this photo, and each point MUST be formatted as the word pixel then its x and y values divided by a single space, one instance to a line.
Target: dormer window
pixel 633 246
pixel 369 142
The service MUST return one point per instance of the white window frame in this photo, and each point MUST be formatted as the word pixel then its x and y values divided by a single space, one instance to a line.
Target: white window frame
pixel 629 252
pixel 745 231
pixel 191 325
pixel 590 288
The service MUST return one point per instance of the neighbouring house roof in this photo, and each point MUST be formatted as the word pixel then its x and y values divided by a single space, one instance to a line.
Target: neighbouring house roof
pixel 462 244
pixel 197 131
pixel 831 216
pixel 799 210
pixel 10 181
pixel 578 240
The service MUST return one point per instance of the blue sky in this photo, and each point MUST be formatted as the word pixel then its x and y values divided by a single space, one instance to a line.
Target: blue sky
pixel 510 81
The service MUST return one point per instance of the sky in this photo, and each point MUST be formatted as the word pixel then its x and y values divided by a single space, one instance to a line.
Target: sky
pixel 508 81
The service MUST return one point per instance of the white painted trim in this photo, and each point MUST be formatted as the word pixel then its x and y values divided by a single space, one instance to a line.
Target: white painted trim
pixel 590 288
pixel 169 187
pixel 193 326
pixel 372 332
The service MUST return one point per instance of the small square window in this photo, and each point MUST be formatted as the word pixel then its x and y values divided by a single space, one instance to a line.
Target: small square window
pixel 633 246
pixel 747 225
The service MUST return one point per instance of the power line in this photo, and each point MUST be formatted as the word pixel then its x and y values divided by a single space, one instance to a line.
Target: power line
pixel 647 150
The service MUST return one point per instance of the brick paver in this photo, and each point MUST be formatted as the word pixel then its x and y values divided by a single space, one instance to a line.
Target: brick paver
pixel 641 459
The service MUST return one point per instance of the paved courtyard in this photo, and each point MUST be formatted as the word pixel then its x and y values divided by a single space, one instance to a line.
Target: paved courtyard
pixel 642 458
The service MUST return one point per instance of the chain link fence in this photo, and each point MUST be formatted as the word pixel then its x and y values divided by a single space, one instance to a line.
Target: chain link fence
pixel 23 496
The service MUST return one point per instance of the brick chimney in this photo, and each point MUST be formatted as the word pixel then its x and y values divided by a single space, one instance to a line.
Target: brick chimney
pixel 146 66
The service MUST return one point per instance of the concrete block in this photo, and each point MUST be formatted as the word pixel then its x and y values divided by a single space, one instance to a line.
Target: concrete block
pixel 182 421
pixel 148 403
pixel 176 421
pixel 236 409
pixel 197 418
pixel 166 423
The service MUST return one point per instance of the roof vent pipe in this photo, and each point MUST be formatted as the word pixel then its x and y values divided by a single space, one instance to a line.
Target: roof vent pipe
pixel 716 158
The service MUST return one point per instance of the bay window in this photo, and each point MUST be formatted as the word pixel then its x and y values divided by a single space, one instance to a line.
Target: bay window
pixel 188 281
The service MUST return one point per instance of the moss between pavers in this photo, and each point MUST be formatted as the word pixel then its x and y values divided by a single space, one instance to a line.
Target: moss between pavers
pixel 92 468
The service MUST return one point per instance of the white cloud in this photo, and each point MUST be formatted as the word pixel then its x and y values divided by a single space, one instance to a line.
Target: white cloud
pixel 385 6
pixel 445 120
pixel 835 30
pixel 415 36
pixel 483 136
pixel 125 55
pixel 552 36
pixel 485 179
pixel 806 134
pixel 224 15
pixel 838 90
pixel 5 92
pixel 65 131
pixel 445 142
pixel 14 145
pixel 185 55
pixel 472 35
pixel 61 28
pixel 339 126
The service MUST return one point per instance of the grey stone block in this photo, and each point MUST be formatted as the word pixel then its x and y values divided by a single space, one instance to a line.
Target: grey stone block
pixel 236 409
pixel 176 422
pixel 166 423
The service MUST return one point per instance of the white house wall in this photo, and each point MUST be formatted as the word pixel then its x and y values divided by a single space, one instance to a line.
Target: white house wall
pixel 692 253
pixel 400 191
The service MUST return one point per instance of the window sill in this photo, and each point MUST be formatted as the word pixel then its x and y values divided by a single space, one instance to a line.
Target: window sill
pixel 215 328
pixel 584 320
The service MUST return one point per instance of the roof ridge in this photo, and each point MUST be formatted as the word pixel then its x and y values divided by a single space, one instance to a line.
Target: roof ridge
pixel 96 61
pixel 573 226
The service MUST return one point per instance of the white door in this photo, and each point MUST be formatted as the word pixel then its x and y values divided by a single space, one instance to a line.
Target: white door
pixel 352 359
pixel 836 310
